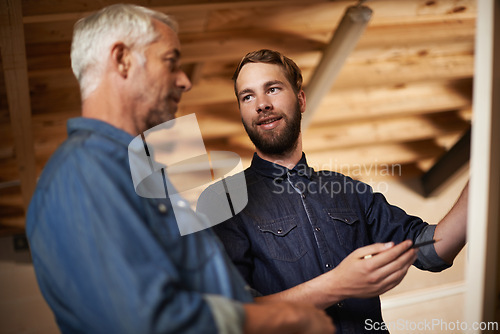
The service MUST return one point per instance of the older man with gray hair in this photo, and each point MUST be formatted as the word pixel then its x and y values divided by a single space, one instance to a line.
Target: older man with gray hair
pixel 106 259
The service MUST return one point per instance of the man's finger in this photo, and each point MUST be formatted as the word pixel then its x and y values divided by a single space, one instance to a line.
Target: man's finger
pixel 388 254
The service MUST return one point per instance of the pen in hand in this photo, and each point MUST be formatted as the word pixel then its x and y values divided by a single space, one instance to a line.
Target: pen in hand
pixel 424 243
pixel 417 245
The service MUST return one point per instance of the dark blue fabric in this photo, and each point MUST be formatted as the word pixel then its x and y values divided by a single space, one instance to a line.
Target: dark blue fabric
pixel 109 261
pixel 299 224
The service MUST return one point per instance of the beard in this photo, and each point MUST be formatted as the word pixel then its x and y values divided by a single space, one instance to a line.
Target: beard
pixel 278 143
pixel 156 117
pixel 159 114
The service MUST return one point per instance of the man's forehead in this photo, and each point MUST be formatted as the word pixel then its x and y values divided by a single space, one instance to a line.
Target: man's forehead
pixel 167 34
pixel 257 74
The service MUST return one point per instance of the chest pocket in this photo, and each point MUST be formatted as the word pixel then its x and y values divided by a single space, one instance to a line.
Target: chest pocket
pixel 282 239
pixel 346 226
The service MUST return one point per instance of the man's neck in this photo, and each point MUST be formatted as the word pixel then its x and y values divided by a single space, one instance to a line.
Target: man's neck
pixel 287 159
pixel 103 105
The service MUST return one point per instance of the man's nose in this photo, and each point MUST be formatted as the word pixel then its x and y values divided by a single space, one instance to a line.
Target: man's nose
pixel 263 104
pixel 183 81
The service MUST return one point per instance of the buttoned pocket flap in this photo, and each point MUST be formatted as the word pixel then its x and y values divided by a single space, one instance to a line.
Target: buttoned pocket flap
pixel 278 228
pixel 346 218
pixel 347 227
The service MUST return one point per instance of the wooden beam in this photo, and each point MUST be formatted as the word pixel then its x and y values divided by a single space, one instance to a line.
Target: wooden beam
pixel 51 7
pixel 447 165
pixel 16 80
pixel 313 22
pixel 334 55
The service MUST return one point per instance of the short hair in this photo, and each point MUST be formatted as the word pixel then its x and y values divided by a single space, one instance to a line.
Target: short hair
pixel 93 36
pixel 290 69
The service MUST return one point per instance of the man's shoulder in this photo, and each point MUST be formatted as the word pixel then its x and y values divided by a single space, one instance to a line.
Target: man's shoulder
pixel 81 154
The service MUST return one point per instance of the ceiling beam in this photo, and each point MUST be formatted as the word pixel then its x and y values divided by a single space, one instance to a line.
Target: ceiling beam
pixel 58 10
pixel 13 55
pixel 347 34
pixel 447 165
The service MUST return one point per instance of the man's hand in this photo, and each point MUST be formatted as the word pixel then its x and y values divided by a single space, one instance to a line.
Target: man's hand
pixel 367 272
pixel 372 270
pixel 283 317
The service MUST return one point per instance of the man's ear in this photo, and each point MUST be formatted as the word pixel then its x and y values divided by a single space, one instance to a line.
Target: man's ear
pixel 302 100
pixel 121 59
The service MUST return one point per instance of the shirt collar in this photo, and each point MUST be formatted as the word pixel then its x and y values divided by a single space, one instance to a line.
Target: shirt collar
pixel 99 127
pixel 275 171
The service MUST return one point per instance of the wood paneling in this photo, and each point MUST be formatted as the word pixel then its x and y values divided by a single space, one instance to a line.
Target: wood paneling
pixel 402 98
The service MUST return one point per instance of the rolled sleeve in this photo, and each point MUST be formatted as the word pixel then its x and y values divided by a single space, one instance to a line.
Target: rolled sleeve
pixel 229 315
pixel 427 257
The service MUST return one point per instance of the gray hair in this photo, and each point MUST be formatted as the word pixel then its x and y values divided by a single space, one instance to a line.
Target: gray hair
pixel 94 35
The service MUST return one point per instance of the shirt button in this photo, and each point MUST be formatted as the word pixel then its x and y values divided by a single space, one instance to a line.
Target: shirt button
pixel 162 208
pixel 340 304
pixel 303 195
pixel 327 265
pixel 317 229
pixel 279 231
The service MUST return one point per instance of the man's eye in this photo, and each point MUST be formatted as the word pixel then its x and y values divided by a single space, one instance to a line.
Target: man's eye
pixel 273 90
pixel 173 63
pixel 246 98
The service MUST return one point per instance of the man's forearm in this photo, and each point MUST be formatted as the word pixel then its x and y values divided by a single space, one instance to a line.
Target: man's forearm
pixel 452 229
pixel 313 291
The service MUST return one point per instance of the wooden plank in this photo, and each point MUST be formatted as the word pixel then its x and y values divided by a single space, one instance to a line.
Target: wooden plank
pixel 393 9
pixel 400 129
pixel 321 18
pixel 34 8
pixel 400 12
pixel 392 100
pixel 16 80
pixel 56 29
pixel 373 155
pixel 387 72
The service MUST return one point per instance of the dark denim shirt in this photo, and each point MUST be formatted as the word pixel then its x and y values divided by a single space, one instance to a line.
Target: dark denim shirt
pixel 299 224
pixel 110 261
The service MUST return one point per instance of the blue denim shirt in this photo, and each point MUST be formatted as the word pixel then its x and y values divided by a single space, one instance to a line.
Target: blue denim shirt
pixel 299 224
pixel 109 261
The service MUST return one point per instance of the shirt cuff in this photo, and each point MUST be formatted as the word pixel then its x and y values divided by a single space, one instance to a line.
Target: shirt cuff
pixel 427 256
pixel 229 315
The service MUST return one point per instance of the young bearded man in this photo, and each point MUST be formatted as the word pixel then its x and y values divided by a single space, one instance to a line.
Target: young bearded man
pixel 310 235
